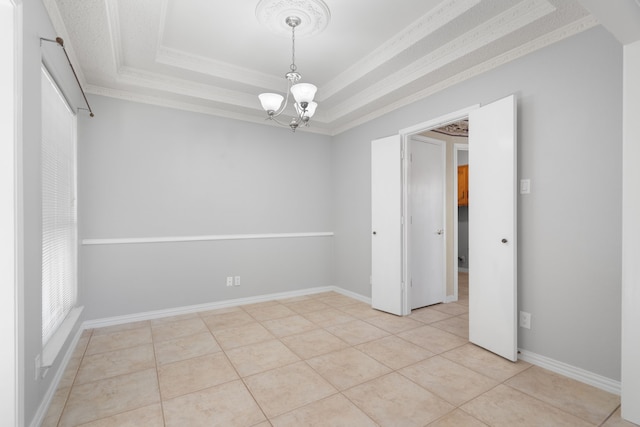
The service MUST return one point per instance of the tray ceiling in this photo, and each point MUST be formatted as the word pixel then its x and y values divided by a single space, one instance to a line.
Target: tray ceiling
pixel 374 55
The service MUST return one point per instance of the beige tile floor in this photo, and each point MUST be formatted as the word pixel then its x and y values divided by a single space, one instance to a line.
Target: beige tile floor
pixel 323 360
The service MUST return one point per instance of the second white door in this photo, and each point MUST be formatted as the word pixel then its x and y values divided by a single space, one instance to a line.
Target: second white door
pixel 426 222
pixel 493 228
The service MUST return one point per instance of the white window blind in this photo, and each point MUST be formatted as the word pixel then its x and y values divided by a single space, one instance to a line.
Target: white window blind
pixel 59 223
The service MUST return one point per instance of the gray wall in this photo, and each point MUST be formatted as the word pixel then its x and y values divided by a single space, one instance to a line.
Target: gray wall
pixel 569 132
pixel 147 171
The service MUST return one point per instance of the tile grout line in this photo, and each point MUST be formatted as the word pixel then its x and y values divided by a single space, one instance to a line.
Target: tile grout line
pixel 155 360
pixel 609 416
pixel 246 386
pixel 319 327
pixel 75 375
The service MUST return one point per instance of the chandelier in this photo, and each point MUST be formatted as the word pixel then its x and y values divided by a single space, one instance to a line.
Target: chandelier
pixel 303 93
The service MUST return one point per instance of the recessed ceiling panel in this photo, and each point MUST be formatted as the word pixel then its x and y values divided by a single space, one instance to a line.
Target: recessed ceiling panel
pixel 373 56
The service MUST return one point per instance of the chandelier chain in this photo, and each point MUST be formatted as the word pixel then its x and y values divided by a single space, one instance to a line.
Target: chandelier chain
pixel 302 92
pixel 293 49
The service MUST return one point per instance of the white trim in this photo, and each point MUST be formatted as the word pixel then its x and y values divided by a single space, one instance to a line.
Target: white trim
pixel 423 27
pixel 516 17
pixel 456 267
pixel 406 135
pixel 51 350
pixel 20 322
pixel 351 294
pixel 318 126
pixel 539 43
pixel 48 397
pixel 573 372
pixel 439 121
pixel 175 311
pixel 630 316
pixel 331 121
pixel 172 239
pixel 11 259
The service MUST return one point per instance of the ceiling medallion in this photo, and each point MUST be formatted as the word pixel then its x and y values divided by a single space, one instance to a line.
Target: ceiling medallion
pixel 460 128
pixel 314 16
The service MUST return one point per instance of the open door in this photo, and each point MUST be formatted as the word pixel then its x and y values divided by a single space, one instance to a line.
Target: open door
pixel 386 224
pixel 492 228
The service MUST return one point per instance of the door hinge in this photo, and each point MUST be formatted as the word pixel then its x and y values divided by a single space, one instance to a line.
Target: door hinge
pixel 402 154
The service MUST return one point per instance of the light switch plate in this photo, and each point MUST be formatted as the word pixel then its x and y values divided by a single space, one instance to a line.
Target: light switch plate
pixel 525 320
pixel 525 186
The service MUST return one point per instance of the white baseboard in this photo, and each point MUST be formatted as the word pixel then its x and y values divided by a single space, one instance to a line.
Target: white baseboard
pixel 578 374
pixel 353 295
pixel 157 314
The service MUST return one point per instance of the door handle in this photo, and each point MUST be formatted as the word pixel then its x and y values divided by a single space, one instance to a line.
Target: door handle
pixel 504 240
pixel 374 233
pixel 439 232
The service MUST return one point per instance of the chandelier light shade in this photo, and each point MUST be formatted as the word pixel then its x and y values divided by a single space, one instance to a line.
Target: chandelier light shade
pixel 271 101
pixel 303 93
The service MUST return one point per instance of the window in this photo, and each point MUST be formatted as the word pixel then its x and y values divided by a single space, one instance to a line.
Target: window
pixel 59 223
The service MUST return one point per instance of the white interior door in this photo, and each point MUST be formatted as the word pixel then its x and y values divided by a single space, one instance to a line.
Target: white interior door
pixel 492 228
pixel 386 224
pixel 426 222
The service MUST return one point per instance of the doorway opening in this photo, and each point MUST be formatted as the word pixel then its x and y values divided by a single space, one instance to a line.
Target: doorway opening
pixel 492 240
pixel 452 133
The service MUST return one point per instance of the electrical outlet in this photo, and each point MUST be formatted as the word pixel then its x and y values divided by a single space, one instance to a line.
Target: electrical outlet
pixel 525 320
pixel 236 281
pixel 229 280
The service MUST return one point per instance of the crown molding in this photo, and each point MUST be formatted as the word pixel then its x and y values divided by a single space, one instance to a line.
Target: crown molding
pixel 328 129
pixel 418 30
pixel 199 64
pixel 126 95
pixel 502 25
pixel 113 29
pixel 244 106
pixel 536 44
pixel 161 82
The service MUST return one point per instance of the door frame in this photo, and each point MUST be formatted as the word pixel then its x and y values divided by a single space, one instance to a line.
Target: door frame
pixel 457 147
pixel 11 213
pixel 443 145
pixel 405 137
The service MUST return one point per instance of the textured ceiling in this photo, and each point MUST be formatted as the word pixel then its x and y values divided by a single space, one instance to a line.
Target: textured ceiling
pixel 374 56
